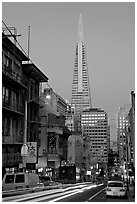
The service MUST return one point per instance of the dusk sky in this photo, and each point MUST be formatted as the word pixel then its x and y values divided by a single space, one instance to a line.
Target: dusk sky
pixel 109 33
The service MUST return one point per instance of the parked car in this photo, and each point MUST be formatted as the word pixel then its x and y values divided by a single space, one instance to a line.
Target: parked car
pixel 115 188
pixel 14 181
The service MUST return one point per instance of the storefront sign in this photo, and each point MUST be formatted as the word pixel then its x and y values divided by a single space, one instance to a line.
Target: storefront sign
pixel 32 152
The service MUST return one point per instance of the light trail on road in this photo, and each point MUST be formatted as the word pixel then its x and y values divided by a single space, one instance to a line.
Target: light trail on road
pixel 50 194
pixel 77 191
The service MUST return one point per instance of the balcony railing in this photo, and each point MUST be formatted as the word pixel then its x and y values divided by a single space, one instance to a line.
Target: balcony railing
pixel 11 158
pixel 7 70
pixel 9 138
pixel 11 73
pixel 14 107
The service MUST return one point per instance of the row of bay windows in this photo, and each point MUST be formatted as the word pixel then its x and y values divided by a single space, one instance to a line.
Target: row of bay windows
pixel 102 134
pixel 99 137
pixel 93 119
pixel 97 140
pixel 14 68
pixel 10 98
pixel 75 92
pixel 101 155
pixel 97 147
pixel 11 66
pixel 84 79
pixel 90 125
pixel 98 129
pixel 84 71
pixel 77 95
pixel 94 114
pixel 84 82
pixel 11 127
pixel 96 125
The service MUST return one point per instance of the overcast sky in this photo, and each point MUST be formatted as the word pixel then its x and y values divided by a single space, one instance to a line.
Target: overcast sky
pixel 109 33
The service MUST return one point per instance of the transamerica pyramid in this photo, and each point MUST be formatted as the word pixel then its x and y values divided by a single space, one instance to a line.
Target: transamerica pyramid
pixel 81 96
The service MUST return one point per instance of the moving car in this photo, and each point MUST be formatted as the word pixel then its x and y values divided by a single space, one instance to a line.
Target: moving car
pixel 115 188
pixel 47 181
pixel 21 180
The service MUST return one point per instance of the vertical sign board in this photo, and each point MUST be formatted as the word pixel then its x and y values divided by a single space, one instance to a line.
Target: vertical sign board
pixel 51 142
pixel 32 152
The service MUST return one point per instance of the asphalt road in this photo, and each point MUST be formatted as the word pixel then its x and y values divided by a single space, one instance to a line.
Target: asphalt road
pixel 78 193
pixel 96 194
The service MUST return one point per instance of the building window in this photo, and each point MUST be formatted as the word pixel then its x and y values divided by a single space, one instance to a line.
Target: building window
pixel 15 127
pixel 6 126
pixel 15 97
pixel 6 95
pixel 7 61
pixel 17 71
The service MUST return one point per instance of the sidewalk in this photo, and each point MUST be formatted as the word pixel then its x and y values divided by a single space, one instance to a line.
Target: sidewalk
pixel 131 193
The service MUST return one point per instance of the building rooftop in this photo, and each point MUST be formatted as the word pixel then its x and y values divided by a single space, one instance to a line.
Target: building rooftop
pixel 35 72
pixel 13 48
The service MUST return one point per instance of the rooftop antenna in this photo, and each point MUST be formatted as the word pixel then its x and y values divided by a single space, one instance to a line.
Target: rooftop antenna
pixel 28 41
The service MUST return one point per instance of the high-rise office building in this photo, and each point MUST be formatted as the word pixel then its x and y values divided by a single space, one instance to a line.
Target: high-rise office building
pixel 122 123
pixel 81 90
pixel 70 117
pixel 94 124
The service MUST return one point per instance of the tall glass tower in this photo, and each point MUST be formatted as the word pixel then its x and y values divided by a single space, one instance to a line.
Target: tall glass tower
pixel 81 89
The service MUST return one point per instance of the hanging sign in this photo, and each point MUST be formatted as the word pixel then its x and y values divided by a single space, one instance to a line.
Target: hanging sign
pixel 32 152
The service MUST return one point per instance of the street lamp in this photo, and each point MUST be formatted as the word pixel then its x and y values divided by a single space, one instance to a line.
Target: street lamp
pixel 24 148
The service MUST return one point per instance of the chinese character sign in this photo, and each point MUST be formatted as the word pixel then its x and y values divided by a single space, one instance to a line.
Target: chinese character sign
pixel 51 143
pixel 32 152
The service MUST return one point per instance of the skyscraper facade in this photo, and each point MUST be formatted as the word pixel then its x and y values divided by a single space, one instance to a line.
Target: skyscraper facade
pixel 70 117
pixel 94 124
pixel 81 89
pixel 122 123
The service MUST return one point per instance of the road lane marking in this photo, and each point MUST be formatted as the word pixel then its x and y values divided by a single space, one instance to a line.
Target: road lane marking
pixel 70 194
pixel 60 198
pixel 96 194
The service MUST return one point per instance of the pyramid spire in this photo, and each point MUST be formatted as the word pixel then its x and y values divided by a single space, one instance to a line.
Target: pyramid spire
pixel 81 96
pixel 80 29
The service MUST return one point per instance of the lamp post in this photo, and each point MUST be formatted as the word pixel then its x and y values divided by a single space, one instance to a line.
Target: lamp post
pixel 24 149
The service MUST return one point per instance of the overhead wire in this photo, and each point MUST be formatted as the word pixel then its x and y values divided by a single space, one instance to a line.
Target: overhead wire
pixel 15 39
pixel 20 45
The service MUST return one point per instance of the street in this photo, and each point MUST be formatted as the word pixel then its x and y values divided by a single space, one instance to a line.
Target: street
pixel 96 194
pixel 76 193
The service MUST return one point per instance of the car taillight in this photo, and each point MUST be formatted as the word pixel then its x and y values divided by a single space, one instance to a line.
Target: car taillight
pixel 122 189
pixel 108 189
